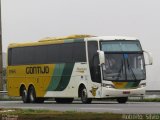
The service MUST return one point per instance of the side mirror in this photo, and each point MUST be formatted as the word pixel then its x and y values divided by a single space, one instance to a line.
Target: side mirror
pixel 150 59
pixel 101 57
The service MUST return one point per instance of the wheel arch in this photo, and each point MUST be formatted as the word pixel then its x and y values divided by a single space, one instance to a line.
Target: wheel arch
pixel 80 87
pixel 30 85
pixel 22 86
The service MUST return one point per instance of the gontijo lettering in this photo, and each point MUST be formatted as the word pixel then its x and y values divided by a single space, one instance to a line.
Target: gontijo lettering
pixel 37 70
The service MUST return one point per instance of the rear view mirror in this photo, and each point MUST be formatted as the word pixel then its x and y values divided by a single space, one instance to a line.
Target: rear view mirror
pixel 150 59
pixel 101 57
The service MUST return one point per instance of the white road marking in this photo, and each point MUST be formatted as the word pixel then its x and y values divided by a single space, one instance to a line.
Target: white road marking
pixel 101 109
pixel 3 111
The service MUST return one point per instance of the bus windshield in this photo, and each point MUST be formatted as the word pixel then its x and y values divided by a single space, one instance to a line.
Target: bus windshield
pixel 120 46
pixel 123 61
pixel 124 67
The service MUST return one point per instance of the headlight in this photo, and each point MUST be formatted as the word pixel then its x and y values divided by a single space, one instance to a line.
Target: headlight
pixel 108 85
pixel 142 85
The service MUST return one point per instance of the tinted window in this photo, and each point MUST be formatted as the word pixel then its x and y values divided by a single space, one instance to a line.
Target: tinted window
pixel 79 52
pixel 66 52
pixel 22 56
pixel 27 55
pixel 17 56
pixel 94 61
pixel 57 53
pixel 9 56
pixel 121 46
pixel 53 53
pixel 39 55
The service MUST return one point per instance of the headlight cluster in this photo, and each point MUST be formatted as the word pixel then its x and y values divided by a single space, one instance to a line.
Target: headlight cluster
pixel 142 85
pixel 108 85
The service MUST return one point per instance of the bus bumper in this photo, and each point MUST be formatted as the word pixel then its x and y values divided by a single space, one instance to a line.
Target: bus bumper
pixel 111 92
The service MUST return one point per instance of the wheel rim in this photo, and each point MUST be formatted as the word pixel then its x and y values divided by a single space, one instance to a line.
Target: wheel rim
pixel 31 97
pixel 24 95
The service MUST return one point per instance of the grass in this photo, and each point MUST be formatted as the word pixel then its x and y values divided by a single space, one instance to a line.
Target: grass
pixel 30 114
pixel 55 115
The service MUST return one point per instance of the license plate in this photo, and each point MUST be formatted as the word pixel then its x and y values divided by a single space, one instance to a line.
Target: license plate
pixel 126 92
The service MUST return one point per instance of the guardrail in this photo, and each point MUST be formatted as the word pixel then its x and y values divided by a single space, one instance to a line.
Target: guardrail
pixel 3 92
pixel 152 92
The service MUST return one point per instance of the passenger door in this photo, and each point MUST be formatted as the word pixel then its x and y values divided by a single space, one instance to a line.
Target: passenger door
pixel 94 61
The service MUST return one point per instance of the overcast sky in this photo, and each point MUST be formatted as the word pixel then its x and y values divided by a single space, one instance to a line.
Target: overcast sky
pixel 31 20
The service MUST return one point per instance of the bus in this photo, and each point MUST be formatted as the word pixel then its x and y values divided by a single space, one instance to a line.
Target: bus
pixel 77 66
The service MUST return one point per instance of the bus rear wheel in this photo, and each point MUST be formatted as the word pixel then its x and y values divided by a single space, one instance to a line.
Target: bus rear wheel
pixel 64 100
pixel 24 96
pixel 32 95
pixel 84 96
pixel 122 99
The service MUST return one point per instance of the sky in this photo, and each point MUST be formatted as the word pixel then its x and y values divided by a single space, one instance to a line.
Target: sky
pixel 32 20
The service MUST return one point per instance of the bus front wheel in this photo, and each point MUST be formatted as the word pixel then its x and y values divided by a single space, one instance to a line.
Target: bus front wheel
pixel 122 99
pixel 84 96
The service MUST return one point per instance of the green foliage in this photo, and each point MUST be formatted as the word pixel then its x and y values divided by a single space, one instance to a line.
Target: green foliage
pixel 30 114
pixel 4 72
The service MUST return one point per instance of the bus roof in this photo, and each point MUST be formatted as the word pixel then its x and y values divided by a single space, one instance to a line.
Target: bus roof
pixel 51 40
pixel 71 38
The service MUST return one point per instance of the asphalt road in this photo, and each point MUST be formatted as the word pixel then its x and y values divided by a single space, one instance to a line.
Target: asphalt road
pixel 96 106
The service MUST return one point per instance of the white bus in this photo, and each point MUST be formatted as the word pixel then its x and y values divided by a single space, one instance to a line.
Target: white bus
pixel 79 66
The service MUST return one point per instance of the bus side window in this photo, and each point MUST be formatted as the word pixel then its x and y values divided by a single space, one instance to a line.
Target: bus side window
pixel 10 56
pixel 94 61
pixel 79 52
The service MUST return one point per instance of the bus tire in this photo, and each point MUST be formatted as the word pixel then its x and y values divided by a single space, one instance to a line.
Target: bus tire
pixel 122 99
pixel 24 95
pixel 64 100
pixel 32 95
pixel 84 96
